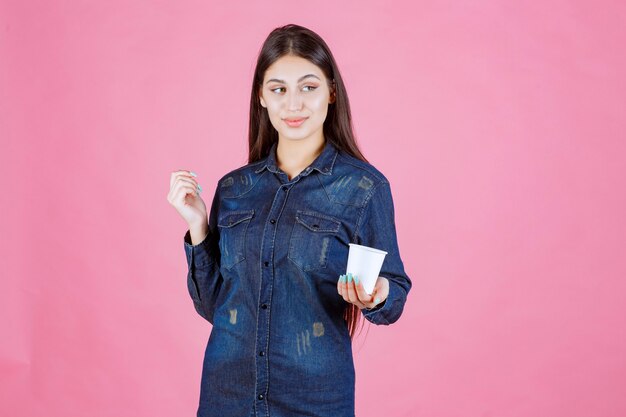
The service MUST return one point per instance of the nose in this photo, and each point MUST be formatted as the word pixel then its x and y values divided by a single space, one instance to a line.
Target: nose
pixel 294 101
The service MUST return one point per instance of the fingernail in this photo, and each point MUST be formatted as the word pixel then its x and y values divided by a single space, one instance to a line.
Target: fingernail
pixel 193 173
pixel 341 278
pixel 349 277
pixel 356 279
pixel 199 188
pixel 377 300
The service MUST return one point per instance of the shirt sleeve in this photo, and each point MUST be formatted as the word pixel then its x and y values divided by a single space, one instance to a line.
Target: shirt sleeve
pixel 204 279
pixel 376 228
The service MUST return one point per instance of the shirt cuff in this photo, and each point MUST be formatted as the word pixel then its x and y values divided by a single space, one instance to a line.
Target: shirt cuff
pixel 379 314
pixel 377 306
pixel 198 255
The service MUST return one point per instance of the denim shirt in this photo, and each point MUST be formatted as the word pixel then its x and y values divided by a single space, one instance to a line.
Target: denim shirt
pixel 266 277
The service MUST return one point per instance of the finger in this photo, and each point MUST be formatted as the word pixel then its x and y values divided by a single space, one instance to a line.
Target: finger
pixel 183 191
pixel 180 172
pixel 185 172
pixel 173 177
pixel 189 181
pixel 191 187
pixel 181 182
pixel 186 178
pixel 375 299
pixel 339 286
pixel 381 291
pixel 343 288
pixel 367 300
pixel 364 297
pixel 181 177
pixel 382 287
pixel 352 296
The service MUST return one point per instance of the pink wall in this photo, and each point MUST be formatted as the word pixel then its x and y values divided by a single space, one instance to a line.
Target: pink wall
pixel 500 126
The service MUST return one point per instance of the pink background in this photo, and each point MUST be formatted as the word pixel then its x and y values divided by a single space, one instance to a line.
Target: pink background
pixel 500 126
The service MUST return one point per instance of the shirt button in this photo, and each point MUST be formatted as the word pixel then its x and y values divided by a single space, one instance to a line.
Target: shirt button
pixel 263 306
pixel 266 263
pixel 272 221
pixel 260 397
pixel 261 353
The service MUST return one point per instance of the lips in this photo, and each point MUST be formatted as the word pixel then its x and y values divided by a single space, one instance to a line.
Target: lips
pixel 295 122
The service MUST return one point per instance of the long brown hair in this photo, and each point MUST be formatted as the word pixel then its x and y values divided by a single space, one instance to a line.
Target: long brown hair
pixel 299 41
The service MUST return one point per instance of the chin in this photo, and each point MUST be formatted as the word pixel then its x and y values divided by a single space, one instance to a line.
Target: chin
pixel 290 135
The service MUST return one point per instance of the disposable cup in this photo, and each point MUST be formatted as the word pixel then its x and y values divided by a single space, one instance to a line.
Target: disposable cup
pixel 365 262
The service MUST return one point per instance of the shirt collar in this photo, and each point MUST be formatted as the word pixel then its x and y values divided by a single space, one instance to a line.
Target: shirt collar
pixel 323 163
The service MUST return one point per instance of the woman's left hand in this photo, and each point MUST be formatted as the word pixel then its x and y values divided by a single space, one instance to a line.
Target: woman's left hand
pixel 351 289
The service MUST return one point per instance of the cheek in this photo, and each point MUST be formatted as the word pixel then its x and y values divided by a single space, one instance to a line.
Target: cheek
pixel 319 105
pixel 318 102
pixel 273 109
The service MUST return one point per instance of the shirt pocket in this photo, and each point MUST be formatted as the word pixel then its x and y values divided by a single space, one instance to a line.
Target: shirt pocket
pixel 312 239
pixel 233 226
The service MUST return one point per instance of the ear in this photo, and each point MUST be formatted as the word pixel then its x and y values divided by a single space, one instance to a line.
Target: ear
pixel 261 99
pixel 333 93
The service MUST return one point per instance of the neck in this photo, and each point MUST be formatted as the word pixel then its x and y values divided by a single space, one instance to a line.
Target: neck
pixel 295 155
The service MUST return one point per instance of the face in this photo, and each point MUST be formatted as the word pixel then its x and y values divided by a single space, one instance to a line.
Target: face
pixel 294 88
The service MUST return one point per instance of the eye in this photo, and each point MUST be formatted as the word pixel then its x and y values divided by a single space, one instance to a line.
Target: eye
pixel 312 87
pixel 277 88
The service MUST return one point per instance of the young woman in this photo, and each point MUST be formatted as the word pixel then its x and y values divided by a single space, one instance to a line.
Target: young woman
pixel 265 264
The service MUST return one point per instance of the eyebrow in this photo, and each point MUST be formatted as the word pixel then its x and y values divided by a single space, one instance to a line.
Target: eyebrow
pixel 299 79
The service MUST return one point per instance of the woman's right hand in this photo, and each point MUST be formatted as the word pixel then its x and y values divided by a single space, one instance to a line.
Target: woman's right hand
pixel 184 195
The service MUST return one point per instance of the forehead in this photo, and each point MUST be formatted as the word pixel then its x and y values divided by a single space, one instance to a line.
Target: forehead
pixel 290 68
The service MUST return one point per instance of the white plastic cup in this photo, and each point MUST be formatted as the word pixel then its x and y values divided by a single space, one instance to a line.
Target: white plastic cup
pixel 365 263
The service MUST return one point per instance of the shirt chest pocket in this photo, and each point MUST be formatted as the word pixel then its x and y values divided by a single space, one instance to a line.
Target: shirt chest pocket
pixel 312 239
pixel 233 226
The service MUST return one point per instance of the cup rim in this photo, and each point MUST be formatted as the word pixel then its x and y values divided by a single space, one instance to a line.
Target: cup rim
pixel 368 248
